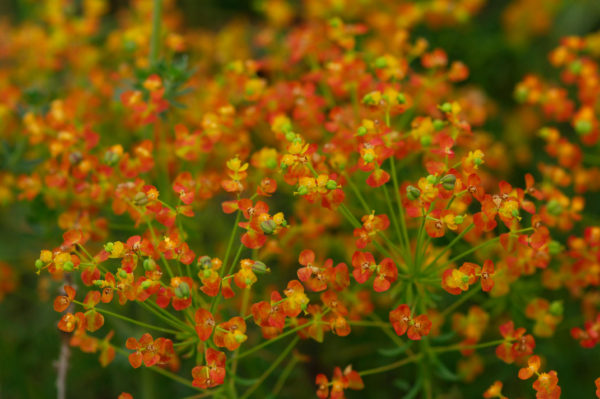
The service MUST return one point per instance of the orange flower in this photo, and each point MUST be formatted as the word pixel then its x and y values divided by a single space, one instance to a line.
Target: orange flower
pixel 297 299
pixel 150 351
pixel 269 314
pixel 230 334
pixel 495 391
pixel 213 373
pixel 402 322
pixel 63 302
pixel 533 367
pixel 205 324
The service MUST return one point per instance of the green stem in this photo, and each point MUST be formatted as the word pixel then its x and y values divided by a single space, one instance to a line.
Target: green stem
pixel 285 334
pixel 245 299
pixel 392 366
pixel 465 231
pixel 271 368
pixel 284 376
pixel 466 347
pixel 459 302
pixel 173 323
pixel 166 330
pixel 87 253
pixel 394 219
pixel 357 193
pixel 155 39
pixel 457 257
pixel 400 207
pixel 419 239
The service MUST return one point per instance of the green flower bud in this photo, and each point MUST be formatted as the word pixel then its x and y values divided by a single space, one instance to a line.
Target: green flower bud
pixel 368 158
pixel 515 213
pixel 205 262
pixel 268 226
pixel 248 282
pixel 438 124
pixel 98 283
pixel 240 338
pixel 297 140
pixel 140 199
pixel 283 166
pixel 331 185
pixel 109 247
pixel 110 157
pixel 575 67
pixel 287 127
pixel 412 193
pixel 431 179
pixel 554 247
pixel 554 207
pixel 448 182
pixel 556 308
pixel 446 107
pixel 302 190
pixel 401 98
pixel 184 288
pixel 146 284
pixel 583 127
pixel 123 274
pixel 521 94
pixel 68 266
pixel 380 63
pixel 361 131
pixel 426 141
pixel 129 45
pixel 290 136
pixel 465 278
pixel 149 265
pixel 39 264
pixel 260 268
pixel 207 273
pixel 459 219
pixel 368 99
pixel 303 306
pixel 478 161
pixel 272 163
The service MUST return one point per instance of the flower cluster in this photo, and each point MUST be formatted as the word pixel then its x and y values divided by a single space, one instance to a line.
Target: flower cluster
pixel 343 139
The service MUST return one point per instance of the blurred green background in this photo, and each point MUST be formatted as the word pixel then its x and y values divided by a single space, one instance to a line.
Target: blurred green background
pixel 30 341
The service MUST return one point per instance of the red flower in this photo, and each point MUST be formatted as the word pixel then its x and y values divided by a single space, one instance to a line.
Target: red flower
pixel 63 302
pixel 364 266
pixel 205 324
pixel 230 334
pixel 516 344
pixel 402 322
pixel 213 373
pixel 150 351
pixel 269 314
pixel 533 367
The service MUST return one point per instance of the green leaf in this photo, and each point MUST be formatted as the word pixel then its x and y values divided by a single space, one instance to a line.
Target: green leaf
pixel 244 381
pixel 415 389
pixel 402 384
pixel 444 337
pixel 394 351
pixel 442 371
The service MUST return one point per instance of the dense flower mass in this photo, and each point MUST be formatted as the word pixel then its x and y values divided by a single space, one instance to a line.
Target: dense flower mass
pixel 323 175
